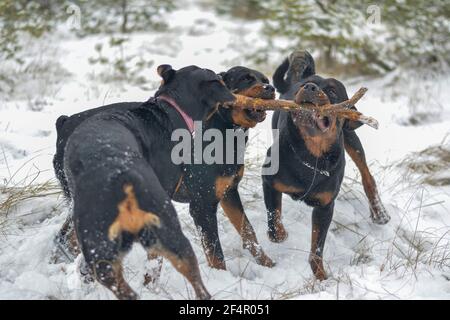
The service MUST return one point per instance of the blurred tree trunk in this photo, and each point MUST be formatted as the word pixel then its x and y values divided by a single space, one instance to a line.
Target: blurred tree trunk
pixel 124 27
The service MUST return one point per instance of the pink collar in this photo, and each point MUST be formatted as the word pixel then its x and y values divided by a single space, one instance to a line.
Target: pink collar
pixel 187 119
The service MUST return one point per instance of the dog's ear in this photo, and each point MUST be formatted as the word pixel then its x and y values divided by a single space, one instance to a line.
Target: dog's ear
pixel 166 72
pixel 224 76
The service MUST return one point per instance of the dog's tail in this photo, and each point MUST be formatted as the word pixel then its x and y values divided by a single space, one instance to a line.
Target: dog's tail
pixel 279 80
pixel 299 65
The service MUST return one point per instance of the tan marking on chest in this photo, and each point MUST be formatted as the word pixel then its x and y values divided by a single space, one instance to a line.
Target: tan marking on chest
pixel 131 218
pixel 320 144
pixel 324 198
pixel 281 187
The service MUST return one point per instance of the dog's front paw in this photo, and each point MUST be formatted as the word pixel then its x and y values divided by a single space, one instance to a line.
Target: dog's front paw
pixel 379 215
pixel 318 270
pixel 261 257
pixel 378 212
pixel 278 235
pixel 265 261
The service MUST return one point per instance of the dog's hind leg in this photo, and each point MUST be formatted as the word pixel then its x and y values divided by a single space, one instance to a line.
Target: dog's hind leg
pixel 179 252
pixel 186 263
pixel 232 206
pixel 272 199
pixel 110 274
pixel 355 150
pixel 105 261
pixel 321 219
pixel 66 242
pixel 167 239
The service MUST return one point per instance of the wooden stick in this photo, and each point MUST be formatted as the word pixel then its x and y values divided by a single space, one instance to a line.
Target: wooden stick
pixel 340 110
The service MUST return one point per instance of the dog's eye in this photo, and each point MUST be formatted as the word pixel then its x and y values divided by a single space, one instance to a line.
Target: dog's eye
pixel 249 78
pixel 332 92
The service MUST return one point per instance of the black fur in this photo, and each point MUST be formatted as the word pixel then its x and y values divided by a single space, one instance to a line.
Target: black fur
pixel 312 178
pixel 198 187
pixel 199 183
pixel 105 149
pixel 299 65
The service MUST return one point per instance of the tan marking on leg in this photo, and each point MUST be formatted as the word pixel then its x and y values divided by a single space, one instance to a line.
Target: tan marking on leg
pixel 280 232
pixel 131 218
pixel 222 185
pixel 190 270
pixel 242 225
pixel 213 260
pixel 315 261
pixel 279 227
pixel 113 279
pixel 377 210
pixel 324 198
pixel 281 187
pixel 360 163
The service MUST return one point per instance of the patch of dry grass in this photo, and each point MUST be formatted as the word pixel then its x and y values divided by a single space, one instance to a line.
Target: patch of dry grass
pixel 432 164
pixel 11 196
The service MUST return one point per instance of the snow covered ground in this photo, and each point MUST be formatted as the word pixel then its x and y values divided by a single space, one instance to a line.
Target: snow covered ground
pixel 407 259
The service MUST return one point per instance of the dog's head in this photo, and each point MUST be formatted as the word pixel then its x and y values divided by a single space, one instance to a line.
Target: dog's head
pixel 320 91
pixel 250 83
pixel 197 91
pixel 311 88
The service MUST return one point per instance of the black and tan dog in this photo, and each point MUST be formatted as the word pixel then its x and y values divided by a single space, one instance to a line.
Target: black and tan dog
pixel 312 155
pixel 203 185
pixel 117 167
pixel 206 185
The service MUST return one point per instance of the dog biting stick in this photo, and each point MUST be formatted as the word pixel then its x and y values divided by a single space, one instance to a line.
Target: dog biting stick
pixel 340 110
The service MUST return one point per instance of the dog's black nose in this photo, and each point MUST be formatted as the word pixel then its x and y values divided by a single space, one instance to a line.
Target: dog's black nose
pixel 310 87
pixel 269 87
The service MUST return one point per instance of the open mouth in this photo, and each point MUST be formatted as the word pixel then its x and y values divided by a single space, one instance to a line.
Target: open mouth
pixel 322 122
pixel 256 115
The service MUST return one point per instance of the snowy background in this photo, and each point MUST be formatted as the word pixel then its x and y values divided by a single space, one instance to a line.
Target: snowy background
pixel 409 258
